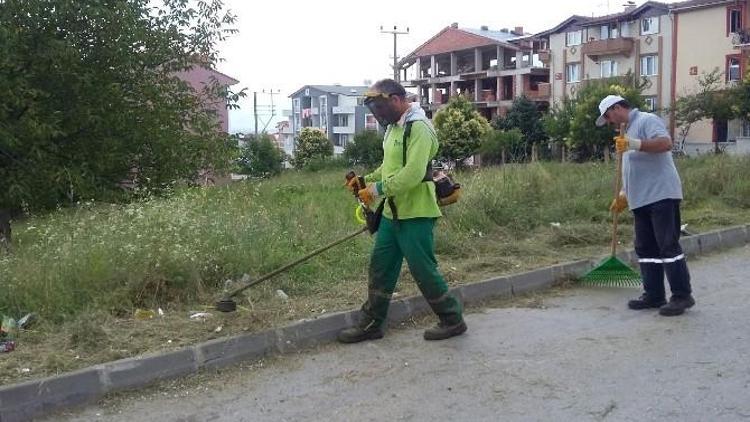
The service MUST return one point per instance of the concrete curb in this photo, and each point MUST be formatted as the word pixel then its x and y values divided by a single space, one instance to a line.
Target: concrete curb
pixel 23 401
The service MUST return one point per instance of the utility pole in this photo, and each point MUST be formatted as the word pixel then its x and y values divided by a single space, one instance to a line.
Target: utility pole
pixel 396 33
pixel 255 112
pixel 266 108
pixel 271 93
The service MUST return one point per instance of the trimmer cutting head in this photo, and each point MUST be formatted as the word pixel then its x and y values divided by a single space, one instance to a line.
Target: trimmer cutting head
pixel 226 305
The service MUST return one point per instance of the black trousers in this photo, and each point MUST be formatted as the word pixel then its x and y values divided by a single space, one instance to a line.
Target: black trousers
pixel 657 244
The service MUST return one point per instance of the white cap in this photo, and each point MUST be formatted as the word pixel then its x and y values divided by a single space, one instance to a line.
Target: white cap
pixel 604 105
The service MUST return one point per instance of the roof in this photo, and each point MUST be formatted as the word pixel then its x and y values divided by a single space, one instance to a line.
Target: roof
pixel 631 14
pixel 694 4
pixel 451 38
pixel 224 78
pixel 500 36
pixel 571 20
pixel 348 90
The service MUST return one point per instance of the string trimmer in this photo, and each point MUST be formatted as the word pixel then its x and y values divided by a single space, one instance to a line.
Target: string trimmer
pixel 370 218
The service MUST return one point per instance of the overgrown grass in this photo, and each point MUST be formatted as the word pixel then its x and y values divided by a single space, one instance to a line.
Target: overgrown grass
pixel 85 270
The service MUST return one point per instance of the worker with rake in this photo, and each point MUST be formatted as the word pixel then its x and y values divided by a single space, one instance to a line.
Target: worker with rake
pixel 653 191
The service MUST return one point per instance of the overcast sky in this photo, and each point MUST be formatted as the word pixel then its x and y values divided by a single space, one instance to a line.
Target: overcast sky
pixel 283 45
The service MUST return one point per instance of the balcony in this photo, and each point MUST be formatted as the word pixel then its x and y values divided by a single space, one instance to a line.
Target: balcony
pixel 541 93
pixel 544 57
pixel 608 47
pixel 343 110
pixel 741 40
pixel 343 129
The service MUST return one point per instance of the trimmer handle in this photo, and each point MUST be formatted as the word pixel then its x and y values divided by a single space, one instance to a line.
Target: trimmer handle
pixel 360 181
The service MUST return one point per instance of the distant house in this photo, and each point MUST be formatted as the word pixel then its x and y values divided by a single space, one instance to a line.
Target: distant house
pixel 335 109
pixel 285 137
pixel 198 77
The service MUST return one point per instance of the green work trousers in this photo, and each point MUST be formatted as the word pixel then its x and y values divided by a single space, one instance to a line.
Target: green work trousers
pixel 411 239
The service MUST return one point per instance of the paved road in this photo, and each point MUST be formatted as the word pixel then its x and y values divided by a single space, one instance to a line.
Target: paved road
pixel 580 357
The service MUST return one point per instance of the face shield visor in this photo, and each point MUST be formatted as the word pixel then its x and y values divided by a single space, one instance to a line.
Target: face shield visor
pixel 381 107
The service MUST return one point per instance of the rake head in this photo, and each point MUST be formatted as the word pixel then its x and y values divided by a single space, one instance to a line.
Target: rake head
pixel 612 272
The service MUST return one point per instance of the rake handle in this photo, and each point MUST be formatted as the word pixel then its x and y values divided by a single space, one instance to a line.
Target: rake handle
pixel 618 186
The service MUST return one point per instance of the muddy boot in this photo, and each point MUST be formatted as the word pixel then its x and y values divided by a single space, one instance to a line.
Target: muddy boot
pixel 444 331
pixel 359 333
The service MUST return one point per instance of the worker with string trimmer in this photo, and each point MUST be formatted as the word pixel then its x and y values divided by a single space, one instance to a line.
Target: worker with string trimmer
pixel 653 191
pixel 404 182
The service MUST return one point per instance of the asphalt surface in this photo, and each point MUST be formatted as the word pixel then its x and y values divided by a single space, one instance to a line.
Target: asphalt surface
pixel 579 355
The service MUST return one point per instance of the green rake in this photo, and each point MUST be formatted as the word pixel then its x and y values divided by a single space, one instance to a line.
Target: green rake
pixel 612 272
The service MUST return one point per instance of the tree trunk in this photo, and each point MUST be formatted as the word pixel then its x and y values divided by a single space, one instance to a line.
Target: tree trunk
pixel 5 232
pixel 606 153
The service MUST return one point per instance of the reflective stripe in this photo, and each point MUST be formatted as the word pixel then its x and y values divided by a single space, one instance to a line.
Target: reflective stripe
pixel 661 261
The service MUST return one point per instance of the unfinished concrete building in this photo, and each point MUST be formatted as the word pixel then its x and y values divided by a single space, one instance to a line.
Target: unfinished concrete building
pixel 489 67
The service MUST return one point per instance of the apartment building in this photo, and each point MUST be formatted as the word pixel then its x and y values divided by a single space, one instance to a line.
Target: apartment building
pixel 490 67
pixel 638 40
pixel 284 135
pixel 335 109
pixel 710 34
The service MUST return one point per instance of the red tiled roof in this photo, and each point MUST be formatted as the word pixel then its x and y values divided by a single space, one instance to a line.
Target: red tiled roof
pixel 453 39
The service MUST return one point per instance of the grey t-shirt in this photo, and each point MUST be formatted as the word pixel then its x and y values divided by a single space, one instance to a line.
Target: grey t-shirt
pixel 648 177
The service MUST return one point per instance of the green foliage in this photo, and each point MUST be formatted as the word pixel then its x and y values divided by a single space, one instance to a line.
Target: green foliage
pixel 365 150
pixel 710 100
pixel 317 164
pixel 311 145
pixel 578 116
pixel 511 141
pixel 523 115
pixel 89 97
pixel 260 157
pixel 557 122
pixel 460 129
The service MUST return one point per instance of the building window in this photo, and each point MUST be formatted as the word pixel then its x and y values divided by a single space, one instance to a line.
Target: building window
pixel 573 72
pixel 650 103
pixel 343 120
pixel 610 31
pixel 342 139
pixel 650 25
pixel 370 122
pixel 296 105
pixel 745 128
pixel 649 65
pixel 733 69
pixel 573 38
pixel 323 109
pixel 734 20
pixel 609 68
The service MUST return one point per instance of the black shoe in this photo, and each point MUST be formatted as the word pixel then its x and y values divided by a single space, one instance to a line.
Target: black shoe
pixel 645 302
pixel 677 305
pixel 357 334
pixel 444 331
